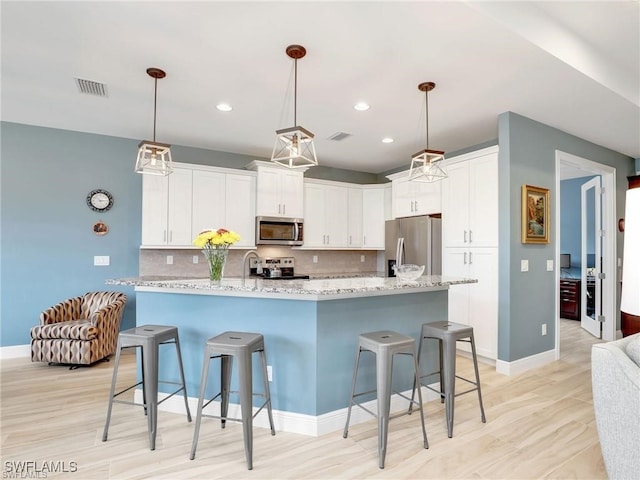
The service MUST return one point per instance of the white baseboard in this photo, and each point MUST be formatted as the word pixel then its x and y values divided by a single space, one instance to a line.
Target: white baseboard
pixel 15 351
pixel 314 426
pixel 524 364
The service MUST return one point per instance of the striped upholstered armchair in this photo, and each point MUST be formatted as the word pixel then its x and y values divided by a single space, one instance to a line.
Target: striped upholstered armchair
pixel 80 330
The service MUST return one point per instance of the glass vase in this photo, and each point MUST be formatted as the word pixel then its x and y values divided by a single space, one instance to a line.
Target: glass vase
pixel 216 260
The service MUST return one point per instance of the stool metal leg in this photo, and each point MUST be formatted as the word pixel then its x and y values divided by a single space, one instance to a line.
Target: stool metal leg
pixel 441 369
pixel 383 385
pixel 150 383
pixel 449 368
pixel 203 389
pixel 267 392
pixel 184 383
pixel 226 366
pixel 245 375
pixel 353 391
pixel 417 380
pixel 112 391
pixel 475 367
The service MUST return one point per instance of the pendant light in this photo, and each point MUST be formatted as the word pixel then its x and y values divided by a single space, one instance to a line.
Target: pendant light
pixel 294 146
pixel 154 158
pixel 425 164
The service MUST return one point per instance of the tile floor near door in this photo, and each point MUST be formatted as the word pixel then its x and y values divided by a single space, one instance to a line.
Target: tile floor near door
pixel 540 424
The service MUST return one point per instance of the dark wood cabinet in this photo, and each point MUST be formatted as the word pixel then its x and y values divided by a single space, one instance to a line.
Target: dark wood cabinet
pixel 570 298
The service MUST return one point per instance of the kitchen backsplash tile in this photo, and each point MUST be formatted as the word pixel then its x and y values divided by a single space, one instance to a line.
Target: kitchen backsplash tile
pixel 154 261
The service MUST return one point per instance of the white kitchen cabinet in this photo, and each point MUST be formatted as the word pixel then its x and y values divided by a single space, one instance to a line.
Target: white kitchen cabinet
pixel 280 191
pixel 224 200
pixel 414 198
pixel 240 207
pixel 193 198
pixel 166 209
pixel 373 216
pixel 355 217
pixel 325 215
pixel 475 304
pixel 470 200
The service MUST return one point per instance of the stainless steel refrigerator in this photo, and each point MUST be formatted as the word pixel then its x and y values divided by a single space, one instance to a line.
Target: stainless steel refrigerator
pixel 416 240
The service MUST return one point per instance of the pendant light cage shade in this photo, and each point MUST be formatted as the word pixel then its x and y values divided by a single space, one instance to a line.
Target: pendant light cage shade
pixel 294 146
pixel 426 164
pixel 154 158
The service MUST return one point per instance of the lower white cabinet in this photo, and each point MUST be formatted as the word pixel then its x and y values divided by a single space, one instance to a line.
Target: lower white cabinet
pixel 475 304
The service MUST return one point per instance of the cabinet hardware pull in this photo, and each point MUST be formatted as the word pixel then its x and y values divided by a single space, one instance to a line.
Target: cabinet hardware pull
pixel 164 235
pixel 470 258
pixel 279 208
pixel 170 236
pixel 284 208
pixel 465 236
pixel 465 258
pixel 350 242
pixel 470 237
pixel 416 203
pixel 328 241
pixel 364 240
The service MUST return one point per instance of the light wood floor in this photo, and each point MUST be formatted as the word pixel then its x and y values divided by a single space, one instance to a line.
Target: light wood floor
pixel 539 425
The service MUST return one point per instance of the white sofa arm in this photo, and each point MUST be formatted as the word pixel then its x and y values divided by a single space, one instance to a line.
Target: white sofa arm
pixel 616 402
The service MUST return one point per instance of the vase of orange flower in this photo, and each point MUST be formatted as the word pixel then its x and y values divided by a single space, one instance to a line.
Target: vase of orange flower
pixel 215 247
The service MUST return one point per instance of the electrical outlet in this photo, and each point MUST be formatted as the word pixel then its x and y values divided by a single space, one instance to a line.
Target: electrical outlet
pixel 544 329
pixel 362 258
pixel 549 265
pixel 195 259
pixel 169 259
pixel 269 372
pixel 315 259
pixel 524 265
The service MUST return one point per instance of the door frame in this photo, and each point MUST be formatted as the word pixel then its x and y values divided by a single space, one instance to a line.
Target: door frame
pixel 608 175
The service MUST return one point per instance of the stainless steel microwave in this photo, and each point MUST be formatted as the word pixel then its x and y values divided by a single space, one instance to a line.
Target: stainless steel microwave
pixel 279 231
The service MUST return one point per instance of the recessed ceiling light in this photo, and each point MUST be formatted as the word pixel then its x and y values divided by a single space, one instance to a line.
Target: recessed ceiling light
pixel 362 106
pixel 224 107
pixel 387 140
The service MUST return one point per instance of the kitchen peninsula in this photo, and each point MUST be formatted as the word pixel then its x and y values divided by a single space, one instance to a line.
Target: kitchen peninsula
pixel 310 328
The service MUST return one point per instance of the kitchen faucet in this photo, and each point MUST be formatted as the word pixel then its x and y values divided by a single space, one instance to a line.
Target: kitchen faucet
pixel 244 262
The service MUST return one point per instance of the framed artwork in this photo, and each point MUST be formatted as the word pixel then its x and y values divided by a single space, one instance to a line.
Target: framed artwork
pixel 536 221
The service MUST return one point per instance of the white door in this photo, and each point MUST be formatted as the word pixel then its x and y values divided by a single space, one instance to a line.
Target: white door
pixel 591 283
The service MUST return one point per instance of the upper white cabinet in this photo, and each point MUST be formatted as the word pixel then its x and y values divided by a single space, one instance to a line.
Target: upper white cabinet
pixel 414 198
pixel 355 217
pixel 166 208
pixel 326 215
pixel 470 200
pixel 193 198
pixel 224 200
pixel 373 216
pixel 280 191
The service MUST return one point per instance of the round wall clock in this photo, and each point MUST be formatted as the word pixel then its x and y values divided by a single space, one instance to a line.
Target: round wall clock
pixel 99 200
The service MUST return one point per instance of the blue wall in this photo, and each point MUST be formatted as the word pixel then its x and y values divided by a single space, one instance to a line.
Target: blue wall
pixel 46 239
pixel 527 299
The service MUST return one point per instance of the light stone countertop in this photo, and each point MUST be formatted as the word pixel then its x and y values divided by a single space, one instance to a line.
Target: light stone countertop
pixel 315 289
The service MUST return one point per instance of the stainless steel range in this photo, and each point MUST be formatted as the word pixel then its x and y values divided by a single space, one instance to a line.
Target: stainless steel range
pixel 274 268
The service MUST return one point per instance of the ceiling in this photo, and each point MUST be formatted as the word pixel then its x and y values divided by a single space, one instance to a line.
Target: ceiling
pixel 572 65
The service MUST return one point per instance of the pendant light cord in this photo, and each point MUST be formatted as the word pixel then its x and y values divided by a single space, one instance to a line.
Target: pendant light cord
pixel 295 91
pixel 426 114
pixel 155 101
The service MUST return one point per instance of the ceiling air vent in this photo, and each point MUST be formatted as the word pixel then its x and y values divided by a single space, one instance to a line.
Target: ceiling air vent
pixel 91 88
pixel 338 136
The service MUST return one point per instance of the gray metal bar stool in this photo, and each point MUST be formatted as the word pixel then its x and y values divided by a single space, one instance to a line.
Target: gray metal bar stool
pixel 148 338
pixel 226 346
pixel 447 334
pixel 384 344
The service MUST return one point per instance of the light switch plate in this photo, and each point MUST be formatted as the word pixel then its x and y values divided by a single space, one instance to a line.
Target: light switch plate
pixel 195 259
pixel 549 265
pixel 101 260
pixel 524 265
pixel 169 259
